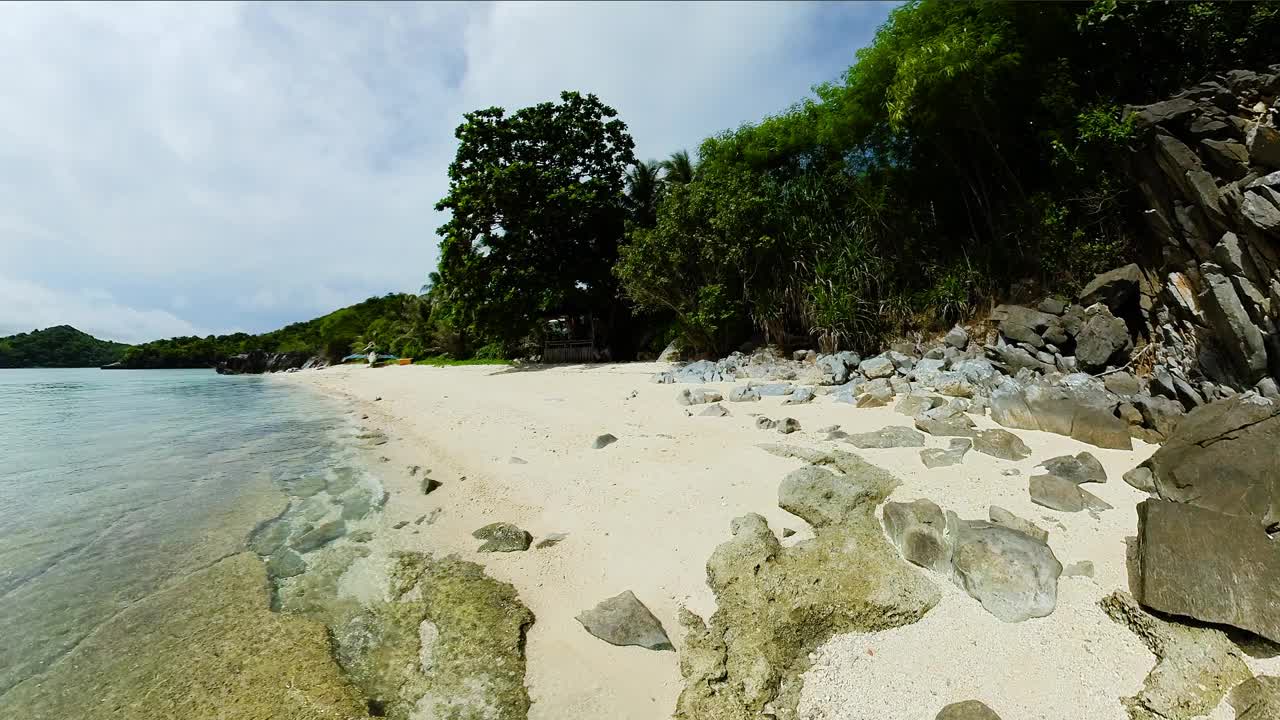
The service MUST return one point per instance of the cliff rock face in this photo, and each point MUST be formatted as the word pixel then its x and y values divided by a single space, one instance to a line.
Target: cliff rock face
pixel 260 361
pixel 1208 169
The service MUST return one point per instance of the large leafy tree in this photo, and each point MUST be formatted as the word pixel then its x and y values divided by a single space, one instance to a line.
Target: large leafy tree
pixel 537 212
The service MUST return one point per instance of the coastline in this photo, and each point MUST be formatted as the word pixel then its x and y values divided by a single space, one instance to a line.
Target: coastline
pixel 645 513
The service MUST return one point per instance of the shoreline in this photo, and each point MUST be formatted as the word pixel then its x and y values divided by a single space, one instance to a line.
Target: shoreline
pixel 645 513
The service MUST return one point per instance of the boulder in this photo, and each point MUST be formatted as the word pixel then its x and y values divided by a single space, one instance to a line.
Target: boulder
pixel 502 537
pixel 1058 494
pixel 824 498
pixel 764 423
pixel 743 393
pixel 893 436
pixel 1257 698
pixel 1189 554
pixel 1004 518
pixel 1239 339
pixel 1081 411
pixel 624 620
pixel 877 367
pixel 1161 113
pixel 774 389
pixel 1012 574
pixel 799 397
pixel 875 397
pixel 928 369
pixel 1159 414
pixel 1114 288
pixel 1052 305
pixel 918 530
pixel 1122 383
pixel 945 421
pixel 1103 337
pixel 967 710
pixel 957 337
pixel 1000 443
pixel 1263 143
pixel 1080 468
pixel 952 455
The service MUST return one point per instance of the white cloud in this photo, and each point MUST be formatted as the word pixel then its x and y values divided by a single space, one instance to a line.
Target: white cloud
pixel 270 162
pixel 26 306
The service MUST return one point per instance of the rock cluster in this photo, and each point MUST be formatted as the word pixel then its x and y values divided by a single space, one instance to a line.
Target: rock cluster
pixel 257 362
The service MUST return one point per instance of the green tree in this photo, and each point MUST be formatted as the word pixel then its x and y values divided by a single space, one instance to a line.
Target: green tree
pixel 537 212
pixel 678 168
pixel 644 190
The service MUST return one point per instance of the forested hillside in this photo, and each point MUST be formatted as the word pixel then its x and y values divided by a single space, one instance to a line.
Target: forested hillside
pixel 972 152
pixel 394 322
pixel 62 346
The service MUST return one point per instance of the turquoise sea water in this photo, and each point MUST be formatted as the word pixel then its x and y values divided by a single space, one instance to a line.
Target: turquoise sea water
pixel 115 484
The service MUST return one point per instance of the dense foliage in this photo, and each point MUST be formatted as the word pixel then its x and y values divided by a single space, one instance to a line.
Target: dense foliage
pixel 970 149
pixel 58 347
pixel 395 323
pixel 536 217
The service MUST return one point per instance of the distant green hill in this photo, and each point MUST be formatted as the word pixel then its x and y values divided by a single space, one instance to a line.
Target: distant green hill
pixel 331 336
pixel 60 346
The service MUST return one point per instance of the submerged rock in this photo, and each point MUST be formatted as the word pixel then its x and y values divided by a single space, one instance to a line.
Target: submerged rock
pixel 502 537
pixel 320 536
pixel 286 564
pixel 624 620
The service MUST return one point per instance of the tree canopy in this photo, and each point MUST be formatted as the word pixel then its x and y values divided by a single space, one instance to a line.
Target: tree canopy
pixel 61 346
pixel 536 216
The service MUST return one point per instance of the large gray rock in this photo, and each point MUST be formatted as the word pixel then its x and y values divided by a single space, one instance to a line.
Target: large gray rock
pixel 1114 288
pixel 893 436
pixel 1000 443
pixel 1188 556
pixel 1238 337
pixel 1103 337
pixel 1012 574
pixel 801 396
pixel 1080 468
pixel 1159 414
pixel 1224 456
pixel 945 421
pixel 624 620
pixel 957 337
pixel 1080 412
pixel 915 404
pixel 502 537
pixel 967 710
pixel 1263 143
pixel 918 530
pixel 824 498
pixel 952 455
pixel 1140 479
pixel 1058 494
pixel 743 393
pixel 877 367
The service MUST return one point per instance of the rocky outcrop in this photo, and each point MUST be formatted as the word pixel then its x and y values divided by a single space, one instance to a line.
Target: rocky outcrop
pixel 1215 518
pixel 260 361
pixel 967 710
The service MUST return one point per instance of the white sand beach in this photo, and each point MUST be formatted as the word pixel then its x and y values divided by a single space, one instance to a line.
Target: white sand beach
pixel 645 513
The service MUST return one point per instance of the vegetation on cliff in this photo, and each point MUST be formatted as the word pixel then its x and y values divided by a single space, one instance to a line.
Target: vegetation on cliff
pixel 971 148
pixel 61 346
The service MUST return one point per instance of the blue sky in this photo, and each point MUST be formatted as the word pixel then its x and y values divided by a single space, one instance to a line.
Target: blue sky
pixel 187 169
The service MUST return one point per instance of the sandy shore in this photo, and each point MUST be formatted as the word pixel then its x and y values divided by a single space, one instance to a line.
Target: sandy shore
pixel 645 513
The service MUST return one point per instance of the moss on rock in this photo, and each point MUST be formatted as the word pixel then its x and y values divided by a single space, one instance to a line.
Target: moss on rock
pixel 776 604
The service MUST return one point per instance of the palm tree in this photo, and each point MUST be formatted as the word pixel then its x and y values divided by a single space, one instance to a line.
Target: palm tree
pixel 644 188
pixel 679 168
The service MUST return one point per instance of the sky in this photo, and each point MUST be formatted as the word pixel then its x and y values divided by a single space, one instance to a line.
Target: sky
pixel 209 168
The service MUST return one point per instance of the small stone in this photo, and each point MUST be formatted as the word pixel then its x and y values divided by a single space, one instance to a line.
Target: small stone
pixel 603 441
pixel 957 337
pixel 413 470
pixel 764 423
pixel 400 524
pixel 624 620
pixel 516 460
pixel 788 425
pixel 502 537
pixel 877 367
pixel 787 532
pixel 429 485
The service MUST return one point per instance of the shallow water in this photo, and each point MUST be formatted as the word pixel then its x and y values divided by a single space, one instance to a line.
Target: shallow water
pixel 116 486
